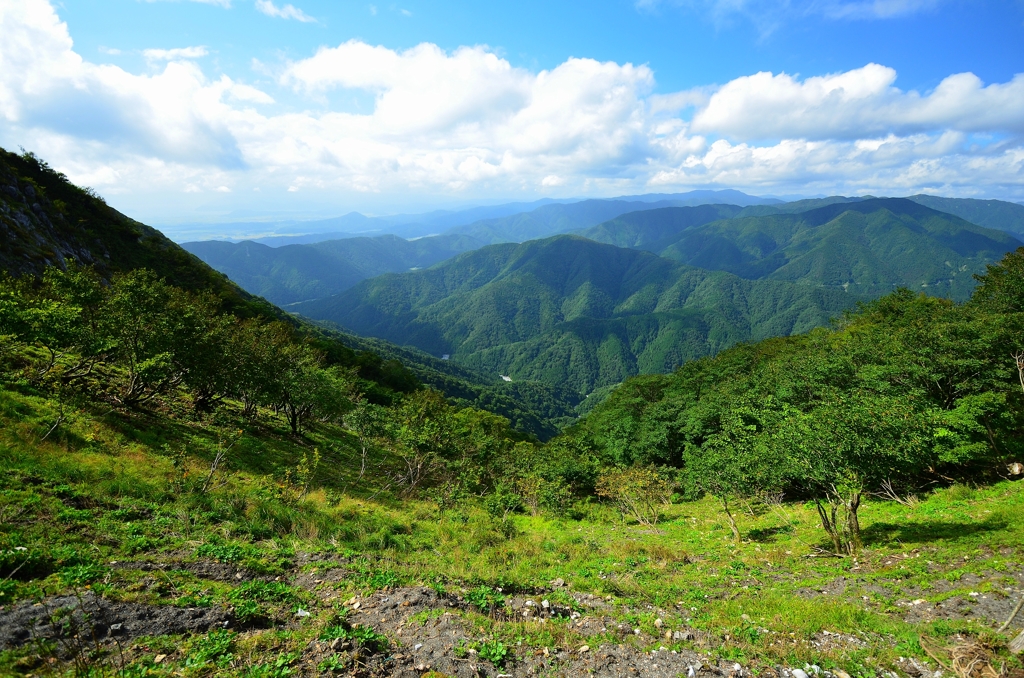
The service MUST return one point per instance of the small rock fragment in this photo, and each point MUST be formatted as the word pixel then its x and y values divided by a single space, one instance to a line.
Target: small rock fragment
pixel 584 649
pixel 159 658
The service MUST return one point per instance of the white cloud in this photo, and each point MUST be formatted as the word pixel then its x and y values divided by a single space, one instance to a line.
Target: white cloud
pixel 468 123
pixel 286 12
pixel 113 51
pixel 175 54
pixel 857 103
pixel 247 93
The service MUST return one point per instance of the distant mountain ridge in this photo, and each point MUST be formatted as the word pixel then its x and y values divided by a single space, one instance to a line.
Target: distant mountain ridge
pixel 566 218
pixel 304 271
pixel 292 273
pixel 870 244
pixel 485 219
pixel 998 214
pixel 567 310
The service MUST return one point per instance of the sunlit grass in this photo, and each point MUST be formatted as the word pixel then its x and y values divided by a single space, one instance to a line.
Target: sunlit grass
pixel 102 490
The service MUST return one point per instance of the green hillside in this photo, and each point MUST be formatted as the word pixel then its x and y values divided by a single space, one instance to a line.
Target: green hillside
pixel 867 246
pixel 998 214
pixel 47 223
pixel 292 273
pixel 189 491
pixel 573 312
pixel 649 229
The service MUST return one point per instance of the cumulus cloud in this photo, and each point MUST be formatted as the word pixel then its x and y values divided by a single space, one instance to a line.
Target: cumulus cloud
pixel 467 122
pixel 857 103
pixel 286 12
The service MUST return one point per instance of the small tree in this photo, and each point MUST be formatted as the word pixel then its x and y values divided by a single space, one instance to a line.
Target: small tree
pixel 423 436
pixel 638 492
pixel 136 318
pixel 738 460
pixel 257 361
pixel 849 445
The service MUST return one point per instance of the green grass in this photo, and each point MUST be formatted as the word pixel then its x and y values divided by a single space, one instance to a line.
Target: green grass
pixel 115 487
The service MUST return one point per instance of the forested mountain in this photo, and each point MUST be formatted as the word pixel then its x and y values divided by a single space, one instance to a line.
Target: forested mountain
pixel 567 310
pixel 648 229
pixel 998 214
pixel 868 246
pixel 292 273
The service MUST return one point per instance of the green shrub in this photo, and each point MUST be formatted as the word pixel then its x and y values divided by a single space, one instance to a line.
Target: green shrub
pixel 368 638
pixel 216 647
pixel 485 598
pixel 279 668
pixel 493 651
pixel 79 575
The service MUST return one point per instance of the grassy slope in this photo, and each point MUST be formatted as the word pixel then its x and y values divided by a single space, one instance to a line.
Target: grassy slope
pixel 114 488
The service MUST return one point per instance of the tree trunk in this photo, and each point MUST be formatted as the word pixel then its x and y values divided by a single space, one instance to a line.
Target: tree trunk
pixel 852 522
pixel 292 413
pixel 732 521
pixel 830 524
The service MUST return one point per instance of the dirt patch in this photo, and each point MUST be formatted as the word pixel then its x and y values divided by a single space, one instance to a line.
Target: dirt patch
pixel 204 569
pixel 100 619
pixel 429 632
pixel 991 609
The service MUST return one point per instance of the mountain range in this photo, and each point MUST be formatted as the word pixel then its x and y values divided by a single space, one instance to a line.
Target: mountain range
pixel 867 246
pixel 292 273
pixel 312 268
pixel 568 310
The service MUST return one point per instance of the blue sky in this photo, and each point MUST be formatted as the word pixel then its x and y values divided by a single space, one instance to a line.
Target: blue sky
pixel 184 111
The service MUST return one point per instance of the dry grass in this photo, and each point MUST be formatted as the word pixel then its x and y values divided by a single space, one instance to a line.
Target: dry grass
pixel 968 658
